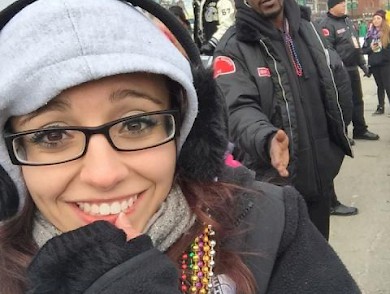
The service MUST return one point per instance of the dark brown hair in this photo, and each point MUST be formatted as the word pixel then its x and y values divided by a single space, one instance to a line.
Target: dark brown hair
pixel 16 249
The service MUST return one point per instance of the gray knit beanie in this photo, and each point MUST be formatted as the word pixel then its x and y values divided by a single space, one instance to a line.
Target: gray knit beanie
pixel 52 45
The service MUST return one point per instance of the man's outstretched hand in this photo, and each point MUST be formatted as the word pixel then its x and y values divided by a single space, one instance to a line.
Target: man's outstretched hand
pixel 279 153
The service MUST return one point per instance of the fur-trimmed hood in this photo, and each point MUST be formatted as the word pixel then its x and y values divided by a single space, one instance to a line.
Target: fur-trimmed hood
pixel 202 155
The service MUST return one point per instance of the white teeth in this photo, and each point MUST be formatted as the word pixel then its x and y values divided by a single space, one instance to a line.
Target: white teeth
pixel 104 209
pixel 95 209
pixel 115 208
pixel 107 208
pixel 124 205
pixel 87 207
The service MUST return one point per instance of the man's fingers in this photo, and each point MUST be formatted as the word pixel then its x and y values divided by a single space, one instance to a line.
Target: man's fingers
pixel 281 166
pixel 282 170
pixel 279 153
pixel 281 136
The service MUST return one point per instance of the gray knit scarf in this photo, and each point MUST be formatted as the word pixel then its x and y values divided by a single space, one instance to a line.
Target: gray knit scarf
pixel 166 226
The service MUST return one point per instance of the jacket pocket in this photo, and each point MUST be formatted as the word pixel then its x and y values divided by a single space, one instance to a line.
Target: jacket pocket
pixel 329 160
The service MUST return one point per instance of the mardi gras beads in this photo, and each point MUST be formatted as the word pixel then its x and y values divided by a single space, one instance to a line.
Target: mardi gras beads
pixel 197 265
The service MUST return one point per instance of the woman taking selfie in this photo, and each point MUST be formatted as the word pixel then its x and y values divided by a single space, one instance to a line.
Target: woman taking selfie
pixel 377 46
pixel 113 147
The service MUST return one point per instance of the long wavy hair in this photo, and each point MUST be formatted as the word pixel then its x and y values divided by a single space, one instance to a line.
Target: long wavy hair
pixel 385 33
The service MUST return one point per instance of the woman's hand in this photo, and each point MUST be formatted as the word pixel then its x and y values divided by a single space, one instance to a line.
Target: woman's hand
pixel 123 223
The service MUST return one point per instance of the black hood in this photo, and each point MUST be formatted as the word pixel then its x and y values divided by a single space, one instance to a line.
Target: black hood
pixel 251 26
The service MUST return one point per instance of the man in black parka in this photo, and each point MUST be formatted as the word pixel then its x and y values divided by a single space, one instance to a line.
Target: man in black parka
pixel 341 34
pixel 284 99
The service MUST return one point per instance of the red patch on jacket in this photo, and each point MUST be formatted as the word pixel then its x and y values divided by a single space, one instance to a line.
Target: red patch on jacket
pixel 263 72
pixel 223 65
pixel 325 32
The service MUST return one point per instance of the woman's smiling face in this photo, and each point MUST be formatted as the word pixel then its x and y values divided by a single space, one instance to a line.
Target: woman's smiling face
pixel 104 181
pixel 377 21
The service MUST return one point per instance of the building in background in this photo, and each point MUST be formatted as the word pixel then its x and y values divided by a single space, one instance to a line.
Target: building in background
pixel 356 9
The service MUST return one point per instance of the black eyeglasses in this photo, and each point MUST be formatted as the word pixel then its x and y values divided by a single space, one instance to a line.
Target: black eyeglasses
pixel 54 145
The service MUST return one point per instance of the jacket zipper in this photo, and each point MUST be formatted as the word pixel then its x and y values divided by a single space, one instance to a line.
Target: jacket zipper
pixel 243 214
pixel 283 92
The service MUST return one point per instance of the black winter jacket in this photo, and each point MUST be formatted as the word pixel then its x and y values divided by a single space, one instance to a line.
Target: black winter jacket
pixel 343 37
pixel 290 255
pixel 263 94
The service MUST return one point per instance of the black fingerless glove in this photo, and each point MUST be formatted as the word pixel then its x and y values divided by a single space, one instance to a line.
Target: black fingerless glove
pixel 71 262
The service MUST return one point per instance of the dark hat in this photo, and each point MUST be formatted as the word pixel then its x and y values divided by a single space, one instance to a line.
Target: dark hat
pixel 332 3
pixel 381 13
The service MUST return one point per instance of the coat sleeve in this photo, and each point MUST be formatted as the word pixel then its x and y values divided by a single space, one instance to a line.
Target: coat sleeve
pixel 306 263
pixel 250 128
pixel 343 86
pixel 366 48
pixel 97 259
pixel 328 31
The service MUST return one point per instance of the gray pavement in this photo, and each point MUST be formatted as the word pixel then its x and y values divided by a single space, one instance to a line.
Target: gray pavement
pixel 363 241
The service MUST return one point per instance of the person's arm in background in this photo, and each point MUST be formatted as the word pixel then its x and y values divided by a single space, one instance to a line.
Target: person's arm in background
pixel 328 31
pixel 366 48
pixel 362 62
pixel 226 18
pixel 250 128
pixel 343 85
